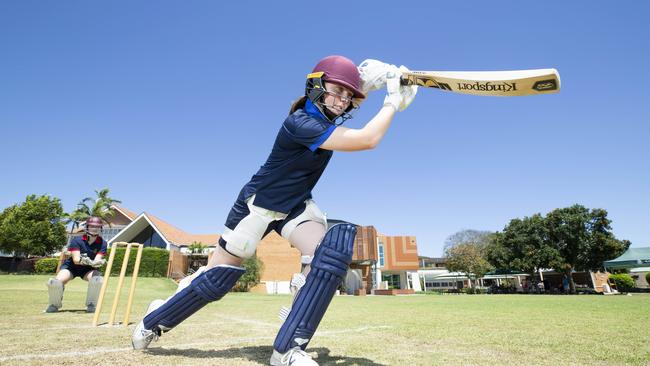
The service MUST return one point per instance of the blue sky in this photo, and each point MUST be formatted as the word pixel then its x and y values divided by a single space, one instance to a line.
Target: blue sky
pixel 174 105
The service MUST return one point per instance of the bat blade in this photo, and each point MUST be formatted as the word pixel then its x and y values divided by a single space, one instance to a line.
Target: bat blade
pixel 488 83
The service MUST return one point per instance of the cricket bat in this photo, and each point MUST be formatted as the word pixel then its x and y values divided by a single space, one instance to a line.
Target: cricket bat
pixel 488 83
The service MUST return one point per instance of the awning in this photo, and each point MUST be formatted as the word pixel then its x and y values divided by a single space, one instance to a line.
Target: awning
pixel 500 277
pixel 633 257
pixel 640 269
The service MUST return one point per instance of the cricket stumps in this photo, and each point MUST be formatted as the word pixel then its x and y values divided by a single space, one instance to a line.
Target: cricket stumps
pixel 120 282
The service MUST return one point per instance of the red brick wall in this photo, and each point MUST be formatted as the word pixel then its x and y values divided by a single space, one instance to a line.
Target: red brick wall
pixel 280 260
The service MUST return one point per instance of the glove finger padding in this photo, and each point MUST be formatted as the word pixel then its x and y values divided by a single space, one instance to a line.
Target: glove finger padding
pixel 98 263
pixel 373 75
pixel 86 261
pixel 393 95
pixel 408 92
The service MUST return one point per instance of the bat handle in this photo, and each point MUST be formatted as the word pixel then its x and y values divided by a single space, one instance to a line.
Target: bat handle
pixel 405 81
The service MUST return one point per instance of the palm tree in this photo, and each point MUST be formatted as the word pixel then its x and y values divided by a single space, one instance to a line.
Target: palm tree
pixel 197 247
pixel 101 207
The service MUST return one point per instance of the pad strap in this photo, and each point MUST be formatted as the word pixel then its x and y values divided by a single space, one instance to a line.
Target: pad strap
pixel 328 269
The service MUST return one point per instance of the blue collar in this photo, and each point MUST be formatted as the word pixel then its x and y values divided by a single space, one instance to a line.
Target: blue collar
pixel 311 110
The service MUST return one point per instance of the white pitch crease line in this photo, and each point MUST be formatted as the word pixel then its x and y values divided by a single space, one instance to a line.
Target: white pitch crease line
pixel 233 341
pixel 249 321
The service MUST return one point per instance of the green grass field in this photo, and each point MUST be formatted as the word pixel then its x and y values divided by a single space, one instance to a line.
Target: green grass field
pixel 371 330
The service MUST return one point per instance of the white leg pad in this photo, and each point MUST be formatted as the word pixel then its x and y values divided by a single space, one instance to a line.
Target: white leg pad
pixel 55 292
pixel 94 286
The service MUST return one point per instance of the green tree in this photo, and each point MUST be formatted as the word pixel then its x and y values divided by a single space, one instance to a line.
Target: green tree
pixel 523 245
pixel 251 277
pixel 33 227
pixel 469 258
pixel 197 247
pixel 583 238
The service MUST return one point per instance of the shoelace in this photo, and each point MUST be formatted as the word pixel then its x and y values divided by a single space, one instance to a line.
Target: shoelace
pixel 287 357
pixel 151 337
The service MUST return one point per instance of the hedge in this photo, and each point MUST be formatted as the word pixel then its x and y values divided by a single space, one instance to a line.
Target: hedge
pixel 46 265
pixel 154 262
pixel 624 282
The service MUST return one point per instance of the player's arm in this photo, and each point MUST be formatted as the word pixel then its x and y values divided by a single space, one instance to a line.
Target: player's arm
pixel 76 256
pixel 368 137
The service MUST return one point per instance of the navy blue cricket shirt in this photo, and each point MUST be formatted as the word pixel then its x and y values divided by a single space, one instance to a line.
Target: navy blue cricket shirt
pixel 295 164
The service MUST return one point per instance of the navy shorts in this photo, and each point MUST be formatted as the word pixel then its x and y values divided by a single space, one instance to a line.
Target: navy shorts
pixel 78 271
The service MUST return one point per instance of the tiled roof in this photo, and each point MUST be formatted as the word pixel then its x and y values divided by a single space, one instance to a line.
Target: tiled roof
pixel 179 237
pixel 130 214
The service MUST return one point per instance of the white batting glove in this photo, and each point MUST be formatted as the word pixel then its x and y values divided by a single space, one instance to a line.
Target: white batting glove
pixel 373 75
pixel 85 260
pixel 394 97
pixel 407 91
pixel 98 263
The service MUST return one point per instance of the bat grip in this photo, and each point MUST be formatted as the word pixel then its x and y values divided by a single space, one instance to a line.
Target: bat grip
pixel 404 81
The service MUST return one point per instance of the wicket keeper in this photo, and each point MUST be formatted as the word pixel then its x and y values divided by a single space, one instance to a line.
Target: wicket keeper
pixel 86 255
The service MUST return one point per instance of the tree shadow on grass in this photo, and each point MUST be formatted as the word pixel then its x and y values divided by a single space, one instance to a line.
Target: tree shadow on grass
pixel 260 354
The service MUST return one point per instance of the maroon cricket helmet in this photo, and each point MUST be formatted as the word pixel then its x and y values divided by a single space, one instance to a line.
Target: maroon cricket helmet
pixel 342 71
pixel 94 221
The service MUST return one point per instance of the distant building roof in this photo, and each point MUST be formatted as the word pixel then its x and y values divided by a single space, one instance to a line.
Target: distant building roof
pixel 130 214
pixel 170 234
pixel 180 237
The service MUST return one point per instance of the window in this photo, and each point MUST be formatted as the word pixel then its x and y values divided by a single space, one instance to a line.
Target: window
pixel 381 254
pixel 109 232
pixel 392 279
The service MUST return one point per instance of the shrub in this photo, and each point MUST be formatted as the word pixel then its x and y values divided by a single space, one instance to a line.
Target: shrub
pixel 154 262
pixel 251 277
pixel 624 282
pixel 647 277
pixel 46 265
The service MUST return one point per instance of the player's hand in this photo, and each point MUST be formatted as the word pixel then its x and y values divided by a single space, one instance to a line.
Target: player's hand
pixel 373 75
pixel 98 263
pixel 408 92
pixel 394 97
pixel 85 260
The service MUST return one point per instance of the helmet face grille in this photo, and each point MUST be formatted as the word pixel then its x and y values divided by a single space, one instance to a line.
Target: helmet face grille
pixel 314 90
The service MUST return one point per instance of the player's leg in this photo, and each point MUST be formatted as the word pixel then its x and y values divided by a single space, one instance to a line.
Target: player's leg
pixel 55 288
pixel 328 268
pixel 305 228
pixel 163 315
pixel 216 280
pixel 95 279
pixel 219 257
pixel 305 237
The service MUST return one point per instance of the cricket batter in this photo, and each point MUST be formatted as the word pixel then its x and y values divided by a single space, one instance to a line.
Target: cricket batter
pixel 278 197
pixel 86 255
